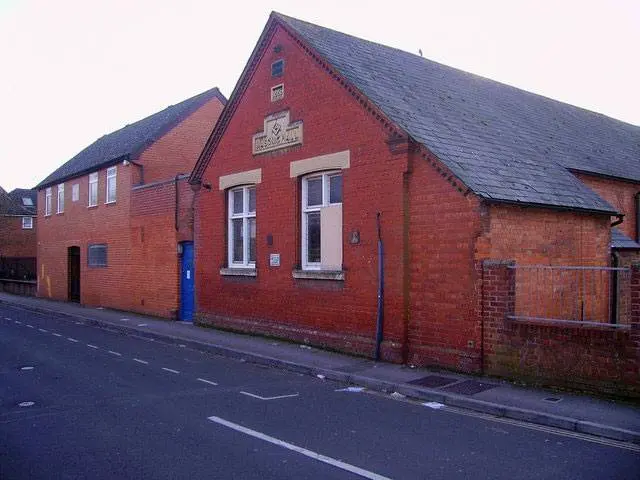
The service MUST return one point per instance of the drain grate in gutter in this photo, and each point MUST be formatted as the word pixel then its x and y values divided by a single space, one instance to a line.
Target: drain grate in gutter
pixel 433 381
pixel 552 399
pixel 469 387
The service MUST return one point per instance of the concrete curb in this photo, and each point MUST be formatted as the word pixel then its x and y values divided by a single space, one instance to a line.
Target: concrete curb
pixel 384 386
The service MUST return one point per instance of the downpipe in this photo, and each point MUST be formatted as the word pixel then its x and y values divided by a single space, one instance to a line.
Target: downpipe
pixel 380 316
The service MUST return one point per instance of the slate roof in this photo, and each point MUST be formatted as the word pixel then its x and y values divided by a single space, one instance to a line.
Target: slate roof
pixel 619 241
pixel 12 204
pixel 504 143
pixel 131 140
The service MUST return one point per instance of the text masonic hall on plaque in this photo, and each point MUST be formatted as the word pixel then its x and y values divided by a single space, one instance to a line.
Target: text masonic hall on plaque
pixel 278 133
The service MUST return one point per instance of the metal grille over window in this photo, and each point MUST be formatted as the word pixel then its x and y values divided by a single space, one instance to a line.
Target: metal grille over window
pixel 322 221
pixel 93 189
pixel 277 92
pixel 111 185
pixel 242 227
pixel 97 255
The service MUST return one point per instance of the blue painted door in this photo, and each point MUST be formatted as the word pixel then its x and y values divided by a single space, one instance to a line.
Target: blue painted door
pixel 186 283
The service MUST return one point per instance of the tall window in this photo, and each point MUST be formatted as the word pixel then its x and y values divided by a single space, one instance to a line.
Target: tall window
pixel 93 189
pixel 61 198
pixel 111 185
pixel 75 192
pixel 242 227
pixel 47 201
pixel 27 222
pixel 322 221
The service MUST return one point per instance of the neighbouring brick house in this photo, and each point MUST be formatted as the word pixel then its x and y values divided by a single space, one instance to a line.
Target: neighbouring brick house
pixel 115 223
pixel 470 178
pixel 18 239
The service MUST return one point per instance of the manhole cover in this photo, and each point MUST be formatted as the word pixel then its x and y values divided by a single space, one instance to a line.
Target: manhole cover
pixel 433 381
pixel 469 387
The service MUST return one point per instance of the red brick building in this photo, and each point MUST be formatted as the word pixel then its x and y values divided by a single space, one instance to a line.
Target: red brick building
pixel 116 221
pixel 17 235
pixel 325 135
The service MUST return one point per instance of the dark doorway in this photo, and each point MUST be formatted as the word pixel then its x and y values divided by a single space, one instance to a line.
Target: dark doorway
pixel 73 271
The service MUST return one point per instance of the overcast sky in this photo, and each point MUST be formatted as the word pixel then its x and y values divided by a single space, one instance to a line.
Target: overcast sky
pixel 74 70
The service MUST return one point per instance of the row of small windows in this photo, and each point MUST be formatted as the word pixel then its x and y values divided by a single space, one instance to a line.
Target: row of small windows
pixel 321 243
pixel 110 192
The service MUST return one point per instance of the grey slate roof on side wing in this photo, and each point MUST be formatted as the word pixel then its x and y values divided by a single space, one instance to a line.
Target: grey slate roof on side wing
pixel 12 203
pixel 129 140
pixel 504 143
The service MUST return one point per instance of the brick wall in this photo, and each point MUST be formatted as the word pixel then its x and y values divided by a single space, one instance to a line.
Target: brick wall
pixel 177 151
pixel 143 266
pixel 331 313
pixel 621 195
pixel 14 240
pixel 593 358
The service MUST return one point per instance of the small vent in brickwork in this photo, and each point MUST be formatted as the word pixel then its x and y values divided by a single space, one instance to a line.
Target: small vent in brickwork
pixel 433 381
pixel 469 387
pixel 277 92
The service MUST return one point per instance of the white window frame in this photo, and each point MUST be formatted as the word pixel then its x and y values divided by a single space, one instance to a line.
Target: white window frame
pixel 111 177
pixel 27 223
pixel 93 189
pixel 47 202
pixel 306 265
pixel 60 198
pixel 245 215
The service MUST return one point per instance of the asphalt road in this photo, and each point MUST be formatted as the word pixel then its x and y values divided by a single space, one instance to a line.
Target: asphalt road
pixel 100 404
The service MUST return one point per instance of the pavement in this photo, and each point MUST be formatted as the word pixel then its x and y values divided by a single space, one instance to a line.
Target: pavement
pixel 568 411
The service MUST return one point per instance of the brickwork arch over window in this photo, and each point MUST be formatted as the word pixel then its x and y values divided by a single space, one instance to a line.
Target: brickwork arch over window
pixel 322 221
pixel 242 227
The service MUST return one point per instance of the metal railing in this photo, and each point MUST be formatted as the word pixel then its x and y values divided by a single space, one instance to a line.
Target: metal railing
pixel 588 295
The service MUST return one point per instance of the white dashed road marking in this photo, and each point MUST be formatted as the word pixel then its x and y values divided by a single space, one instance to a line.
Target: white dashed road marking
pixel 124 319
pixel 170 370
pixel 72 340
pixel 144 362
pixel 26 404
pixel 56 334
pixel 26 368
pixel 18 322
pixel 92 346
pixel 115 353
pixel 142 324
pixel 207 381
pixel 7 318
pixel 303 451
pixel 30 326
pixel 43 330
pixel 268 398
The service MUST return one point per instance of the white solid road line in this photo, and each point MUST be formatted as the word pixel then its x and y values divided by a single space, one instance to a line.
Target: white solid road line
pixel 207 381
pixel 268 398
pixel 115 353
pixel 141 361
pixel 170 370
pixel 290 446
pixel 72 340
pixel 92 346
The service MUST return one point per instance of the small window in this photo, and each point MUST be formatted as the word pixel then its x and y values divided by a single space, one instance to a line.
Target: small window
pixel 47 202
pixel 242 227
pixel 322 221
pixel 75 192
pixel 277 92
pixel 27 223
pixel 61 198
pixel 93 189
pixel 277 68
pixel 111 185
pixel 27 202
pixel 97 255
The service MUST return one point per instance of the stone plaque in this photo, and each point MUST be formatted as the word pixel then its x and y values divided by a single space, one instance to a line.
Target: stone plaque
pixel 278 133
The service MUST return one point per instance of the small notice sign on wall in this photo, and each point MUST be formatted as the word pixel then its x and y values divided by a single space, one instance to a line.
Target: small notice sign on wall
pixel 274 260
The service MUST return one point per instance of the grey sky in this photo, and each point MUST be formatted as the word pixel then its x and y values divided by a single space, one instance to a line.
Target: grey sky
pixel 75 70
